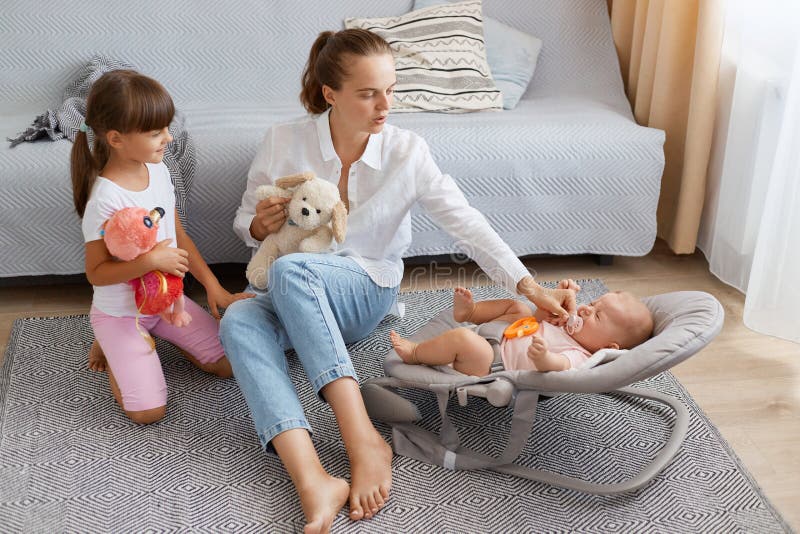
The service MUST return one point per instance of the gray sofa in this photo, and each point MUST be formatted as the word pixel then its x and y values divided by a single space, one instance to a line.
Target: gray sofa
pixel 567 171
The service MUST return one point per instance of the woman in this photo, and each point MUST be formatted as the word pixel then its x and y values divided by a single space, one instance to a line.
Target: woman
pixel 381 172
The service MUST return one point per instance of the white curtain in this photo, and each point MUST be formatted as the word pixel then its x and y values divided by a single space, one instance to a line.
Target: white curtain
pixel 750 232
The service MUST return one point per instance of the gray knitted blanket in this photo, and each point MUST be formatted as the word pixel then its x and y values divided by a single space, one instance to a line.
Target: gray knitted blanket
pixel 65 122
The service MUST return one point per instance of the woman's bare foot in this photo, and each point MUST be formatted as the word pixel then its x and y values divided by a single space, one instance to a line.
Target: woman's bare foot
pixel 370 477
pixel 403 347
pixel 463 305
pixel 321 502
pixel 97 360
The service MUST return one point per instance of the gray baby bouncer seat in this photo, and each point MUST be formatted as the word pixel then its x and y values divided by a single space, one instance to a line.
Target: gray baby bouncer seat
pixel 684 323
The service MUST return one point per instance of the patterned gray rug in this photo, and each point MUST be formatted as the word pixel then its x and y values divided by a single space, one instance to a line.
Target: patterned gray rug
pixel 71 461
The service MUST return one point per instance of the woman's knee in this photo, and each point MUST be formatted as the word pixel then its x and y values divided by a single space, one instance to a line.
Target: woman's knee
pixel 285 273
pixel 146 417
pixel 241 315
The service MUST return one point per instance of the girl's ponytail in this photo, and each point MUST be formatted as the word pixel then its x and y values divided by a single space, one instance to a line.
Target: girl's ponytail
pixel 311 93
pixel 83 169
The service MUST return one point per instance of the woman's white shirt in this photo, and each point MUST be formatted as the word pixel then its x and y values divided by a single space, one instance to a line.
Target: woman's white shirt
pixel 395 171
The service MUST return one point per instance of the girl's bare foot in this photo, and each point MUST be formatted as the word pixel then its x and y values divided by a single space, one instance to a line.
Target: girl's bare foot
pixel 370 477
pixel 463 305
pixel 97 360
pixel 321 502
pixel 403 347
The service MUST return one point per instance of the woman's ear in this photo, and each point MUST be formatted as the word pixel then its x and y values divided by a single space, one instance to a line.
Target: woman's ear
pixel 328 94
pixel 339 221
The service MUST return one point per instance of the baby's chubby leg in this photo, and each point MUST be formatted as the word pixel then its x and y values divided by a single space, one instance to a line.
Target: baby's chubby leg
pixel 465 309
pixel 469 353
pixel 463 305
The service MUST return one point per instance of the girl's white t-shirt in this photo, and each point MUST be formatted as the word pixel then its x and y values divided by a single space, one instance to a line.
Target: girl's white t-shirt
pixel 107 198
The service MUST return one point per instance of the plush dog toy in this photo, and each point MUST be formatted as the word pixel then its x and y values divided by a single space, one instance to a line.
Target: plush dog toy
pixel 131 232
pixel 317 215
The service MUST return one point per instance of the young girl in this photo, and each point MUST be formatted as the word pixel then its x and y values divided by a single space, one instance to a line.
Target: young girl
pixel 129 114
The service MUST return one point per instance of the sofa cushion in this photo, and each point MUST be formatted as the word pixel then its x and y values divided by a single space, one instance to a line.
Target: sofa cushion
pixel 41 232
pixel 440 58
pixel 511 54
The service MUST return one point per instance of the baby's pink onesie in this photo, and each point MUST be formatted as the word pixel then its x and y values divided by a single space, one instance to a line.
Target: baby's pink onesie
pixel 515 351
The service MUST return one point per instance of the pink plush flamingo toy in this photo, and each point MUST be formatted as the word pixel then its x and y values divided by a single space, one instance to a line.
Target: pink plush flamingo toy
pixel 131 232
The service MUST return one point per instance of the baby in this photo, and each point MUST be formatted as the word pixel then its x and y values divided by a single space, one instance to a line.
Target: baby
pixel 617 320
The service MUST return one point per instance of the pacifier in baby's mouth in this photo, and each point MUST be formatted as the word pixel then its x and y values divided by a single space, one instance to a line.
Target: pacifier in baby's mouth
pixel 574 324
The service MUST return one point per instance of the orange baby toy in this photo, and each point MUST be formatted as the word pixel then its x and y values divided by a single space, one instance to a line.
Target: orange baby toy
pixel 526 326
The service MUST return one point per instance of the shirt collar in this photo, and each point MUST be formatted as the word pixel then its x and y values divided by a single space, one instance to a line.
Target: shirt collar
pixel 372 153
pixel 324 133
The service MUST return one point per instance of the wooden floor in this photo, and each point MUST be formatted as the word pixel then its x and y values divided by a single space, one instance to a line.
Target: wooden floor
pixel 747 383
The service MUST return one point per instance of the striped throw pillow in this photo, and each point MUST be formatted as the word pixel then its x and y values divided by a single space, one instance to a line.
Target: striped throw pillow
pixel 440 58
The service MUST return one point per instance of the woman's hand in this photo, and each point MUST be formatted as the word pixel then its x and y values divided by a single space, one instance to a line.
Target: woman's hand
pixel 560 303
pixel 569 283
pixel 219 297
pixel 270 215
pixel 167 259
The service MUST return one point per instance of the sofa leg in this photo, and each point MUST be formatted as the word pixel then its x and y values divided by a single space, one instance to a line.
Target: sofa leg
pixel 604 259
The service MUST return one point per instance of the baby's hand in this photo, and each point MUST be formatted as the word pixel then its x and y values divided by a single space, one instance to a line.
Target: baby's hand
pixel 569 283
pixel 543 359
pixel 168 259
pixel 537 349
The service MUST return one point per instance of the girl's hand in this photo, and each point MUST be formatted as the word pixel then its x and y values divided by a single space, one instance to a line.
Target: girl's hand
pixel 569 283
pixel 271 213
pixel 168 259
pixel 219 297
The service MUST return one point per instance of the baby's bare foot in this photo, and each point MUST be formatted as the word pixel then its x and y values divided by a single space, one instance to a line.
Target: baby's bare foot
pixel 321 502
pixel 463 305
pixel 97 360
pixel 403 347
pixel 371 477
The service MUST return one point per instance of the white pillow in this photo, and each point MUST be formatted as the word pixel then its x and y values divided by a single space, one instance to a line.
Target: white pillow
pixel 440 58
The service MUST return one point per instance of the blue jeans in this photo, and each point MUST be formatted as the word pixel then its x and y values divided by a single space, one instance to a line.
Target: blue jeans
pixel 315 304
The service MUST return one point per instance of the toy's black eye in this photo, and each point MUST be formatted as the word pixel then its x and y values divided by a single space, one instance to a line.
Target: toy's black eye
pixel 148 222
pixel 318 211
pixel 304 199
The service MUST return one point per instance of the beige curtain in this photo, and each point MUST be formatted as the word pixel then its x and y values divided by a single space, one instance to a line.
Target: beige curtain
pixel 669 54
